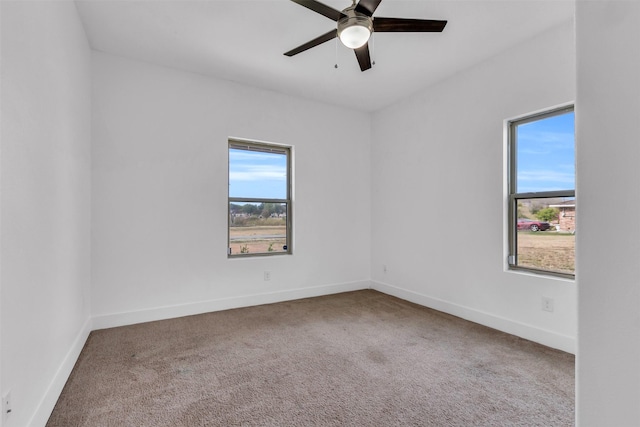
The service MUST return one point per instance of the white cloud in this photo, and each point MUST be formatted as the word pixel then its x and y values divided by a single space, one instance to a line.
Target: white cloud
pixel 251 172
pixel 546 176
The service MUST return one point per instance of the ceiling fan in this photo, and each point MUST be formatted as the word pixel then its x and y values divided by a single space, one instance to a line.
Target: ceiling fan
pixel 356 23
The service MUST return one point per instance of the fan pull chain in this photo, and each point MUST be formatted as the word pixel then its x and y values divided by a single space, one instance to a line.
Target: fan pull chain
pixel 373 48
pixel 336 66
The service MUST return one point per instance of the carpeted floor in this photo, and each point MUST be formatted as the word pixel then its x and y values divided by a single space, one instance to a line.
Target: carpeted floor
pixel 360 358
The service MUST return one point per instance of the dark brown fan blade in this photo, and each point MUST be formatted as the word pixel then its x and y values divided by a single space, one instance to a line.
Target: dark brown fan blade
pixel 400 25
pixel 364 59
pixel 367 6
pixel 321 8
pixel 315 42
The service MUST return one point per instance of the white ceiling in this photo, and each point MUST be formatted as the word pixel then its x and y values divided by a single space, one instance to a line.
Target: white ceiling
pixel 244 41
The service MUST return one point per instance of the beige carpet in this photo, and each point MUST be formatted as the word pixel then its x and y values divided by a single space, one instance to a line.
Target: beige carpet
pixel 359 358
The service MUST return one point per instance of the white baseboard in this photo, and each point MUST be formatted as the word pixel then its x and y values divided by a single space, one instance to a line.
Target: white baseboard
pixel 169 312
pixel 522 330
pixel 48 401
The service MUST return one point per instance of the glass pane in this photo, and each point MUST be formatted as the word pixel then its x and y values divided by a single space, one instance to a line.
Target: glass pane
pixel 546 234
pixel 256 228
pixel 546 154
pixel 257 174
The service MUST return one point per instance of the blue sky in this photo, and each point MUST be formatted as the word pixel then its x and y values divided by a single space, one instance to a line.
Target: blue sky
pixel 546 154
pixel 257 175
pixel 546 162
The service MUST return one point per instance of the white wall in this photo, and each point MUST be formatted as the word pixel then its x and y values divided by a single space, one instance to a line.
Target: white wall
pixel 159 194
pixel 608 130
pixel 45 202
pixel 438 196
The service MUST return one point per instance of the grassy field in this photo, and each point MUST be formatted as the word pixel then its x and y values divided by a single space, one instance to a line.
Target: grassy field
pixel 547 250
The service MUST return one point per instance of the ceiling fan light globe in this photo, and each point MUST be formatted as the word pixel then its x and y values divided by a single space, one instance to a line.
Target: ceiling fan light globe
pixel 355 36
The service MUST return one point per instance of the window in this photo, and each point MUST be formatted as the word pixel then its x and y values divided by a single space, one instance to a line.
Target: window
pixel 542 199
pixel 259 199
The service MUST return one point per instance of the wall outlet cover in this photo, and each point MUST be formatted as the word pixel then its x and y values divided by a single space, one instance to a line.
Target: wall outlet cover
pixel 547 304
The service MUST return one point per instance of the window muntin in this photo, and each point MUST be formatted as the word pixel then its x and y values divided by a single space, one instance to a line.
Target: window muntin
pixel 259 199
pixel 542 193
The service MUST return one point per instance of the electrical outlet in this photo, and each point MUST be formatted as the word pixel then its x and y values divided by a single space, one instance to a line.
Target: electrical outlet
pixel 267 276
pixel 6 405
pixel 547 304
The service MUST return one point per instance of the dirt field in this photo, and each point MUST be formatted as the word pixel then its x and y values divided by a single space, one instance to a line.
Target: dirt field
pixel 547 250
pixel 542 250
pixel 257 231
pixel 257 239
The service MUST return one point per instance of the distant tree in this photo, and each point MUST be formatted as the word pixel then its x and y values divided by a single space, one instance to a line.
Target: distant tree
pixel 548 214
pixel 535 208
pixel 520 214
pixel 250 209
pixel 268 209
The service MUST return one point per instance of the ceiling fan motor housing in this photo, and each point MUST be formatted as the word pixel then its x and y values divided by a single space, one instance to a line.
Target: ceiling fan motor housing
pixel 354 20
